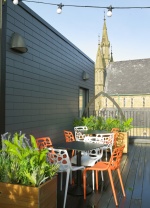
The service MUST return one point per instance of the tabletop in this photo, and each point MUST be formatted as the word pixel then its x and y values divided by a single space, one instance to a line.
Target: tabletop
pixel 77 145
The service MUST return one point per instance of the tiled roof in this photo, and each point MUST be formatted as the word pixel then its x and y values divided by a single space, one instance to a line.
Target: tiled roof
pixel 128 77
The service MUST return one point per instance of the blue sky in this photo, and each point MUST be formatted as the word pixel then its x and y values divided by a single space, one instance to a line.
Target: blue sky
pixel 128 29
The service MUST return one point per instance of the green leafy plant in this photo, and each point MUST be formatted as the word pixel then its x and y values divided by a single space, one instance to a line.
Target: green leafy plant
pixel 21 162
pixel 91 122
pixel 116 123
pixel 99 123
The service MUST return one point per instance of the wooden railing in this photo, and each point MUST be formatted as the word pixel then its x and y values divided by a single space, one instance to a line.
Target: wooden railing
pixel 141 121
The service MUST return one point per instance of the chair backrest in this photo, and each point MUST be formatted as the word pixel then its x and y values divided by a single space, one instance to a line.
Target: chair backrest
pixel 80 128
pixel 60 157
pixel 79 135
pixel 69 136
pixel 116 134
pixel 94 139
pixel 108 139
pixel 116 157
pixel 44 142
pixel 120 139
pixel 115 129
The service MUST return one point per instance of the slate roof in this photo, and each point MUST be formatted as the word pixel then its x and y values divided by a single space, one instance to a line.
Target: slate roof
pixel 128 77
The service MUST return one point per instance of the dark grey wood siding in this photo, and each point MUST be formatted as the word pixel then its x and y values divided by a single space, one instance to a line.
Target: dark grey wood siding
pixel 42 85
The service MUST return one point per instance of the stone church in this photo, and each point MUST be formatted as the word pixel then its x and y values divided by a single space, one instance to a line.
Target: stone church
pixel 127 82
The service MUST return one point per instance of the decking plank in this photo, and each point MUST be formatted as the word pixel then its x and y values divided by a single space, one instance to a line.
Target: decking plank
pixel 146 179
pixel 135 170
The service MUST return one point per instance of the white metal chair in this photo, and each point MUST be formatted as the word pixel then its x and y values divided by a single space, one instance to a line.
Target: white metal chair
pixel 108 140
pixel 90 158
pixel 61 157
pixel 79 136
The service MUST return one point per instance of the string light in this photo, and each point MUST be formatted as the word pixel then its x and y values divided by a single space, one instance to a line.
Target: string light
pixel 59 9
pixel 109 13
pixel 15 2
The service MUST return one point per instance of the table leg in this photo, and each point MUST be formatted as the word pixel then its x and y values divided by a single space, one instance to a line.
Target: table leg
pixel 77 189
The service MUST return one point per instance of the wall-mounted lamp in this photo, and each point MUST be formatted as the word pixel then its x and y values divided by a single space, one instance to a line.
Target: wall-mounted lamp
pixel 85 76
pixel 59 9
pixel 18 43
pixel 109 13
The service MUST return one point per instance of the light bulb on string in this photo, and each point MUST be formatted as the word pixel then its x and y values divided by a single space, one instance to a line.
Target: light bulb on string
pixel 109 13
pixel 59 9
pixel 15 2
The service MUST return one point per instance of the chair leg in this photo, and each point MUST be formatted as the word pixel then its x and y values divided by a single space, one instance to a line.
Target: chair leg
pixel 61 179
pixel 112 186
pixel 70 177
pixel 102 176
pixel 106 154
pixel 66 188
pixel 96 180
pixel 84 183
pixel 93 181
pixel 111 150
pixel 121 183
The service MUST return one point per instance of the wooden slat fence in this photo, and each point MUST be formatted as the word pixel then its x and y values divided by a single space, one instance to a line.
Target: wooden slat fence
pixel 141 121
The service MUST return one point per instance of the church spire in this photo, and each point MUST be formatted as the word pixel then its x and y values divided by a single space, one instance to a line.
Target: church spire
pixel 102 61
pixel 105 44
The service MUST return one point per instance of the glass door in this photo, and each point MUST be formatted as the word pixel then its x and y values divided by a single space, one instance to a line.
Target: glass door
pixel 83 100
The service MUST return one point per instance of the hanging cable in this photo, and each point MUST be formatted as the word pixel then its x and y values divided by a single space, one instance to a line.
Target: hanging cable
pixel 59 9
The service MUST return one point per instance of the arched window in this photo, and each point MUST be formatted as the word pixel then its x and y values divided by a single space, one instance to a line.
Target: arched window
pixel 106 102
pixel 143 102
pixel 131 102
pixel 124 102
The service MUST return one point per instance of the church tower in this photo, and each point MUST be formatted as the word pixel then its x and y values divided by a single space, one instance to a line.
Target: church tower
pixel 103 59
pixel 99 75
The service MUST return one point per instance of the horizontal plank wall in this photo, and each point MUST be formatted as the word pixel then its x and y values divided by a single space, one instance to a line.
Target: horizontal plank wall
pixel 42 85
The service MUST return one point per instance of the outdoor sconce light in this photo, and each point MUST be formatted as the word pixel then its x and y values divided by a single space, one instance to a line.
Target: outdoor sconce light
pixel 59 9
pixel 18 43
pixel 85 76
pixel 109 13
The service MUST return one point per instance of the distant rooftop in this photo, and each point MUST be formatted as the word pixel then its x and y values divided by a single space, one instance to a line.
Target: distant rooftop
pixel 128 77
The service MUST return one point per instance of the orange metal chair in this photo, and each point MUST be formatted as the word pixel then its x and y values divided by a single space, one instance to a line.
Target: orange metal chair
pixel 69 138
pixel 113 164
pixel 44 142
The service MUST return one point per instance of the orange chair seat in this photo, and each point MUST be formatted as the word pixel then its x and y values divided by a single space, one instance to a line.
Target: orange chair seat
pixel 100 165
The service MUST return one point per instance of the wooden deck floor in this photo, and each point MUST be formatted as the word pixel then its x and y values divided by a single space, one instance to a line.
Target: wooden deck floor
pixel 135 168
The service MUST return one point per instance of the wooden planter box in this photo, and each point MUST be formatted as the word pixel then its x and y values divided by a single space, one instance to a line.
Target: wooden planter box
pixel 123 139
pixel 19 196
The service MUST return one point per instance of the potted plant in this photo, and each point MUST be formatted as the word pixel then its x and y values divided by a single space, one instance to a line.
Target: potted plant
pixel 99 123
pixel 92 122
pixel 124 127
pixel 26 177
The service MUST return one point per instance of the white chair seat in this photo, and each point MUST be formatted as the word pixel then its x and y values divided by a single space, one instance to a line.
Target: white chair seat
pixel 86 160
